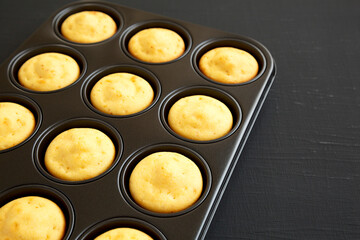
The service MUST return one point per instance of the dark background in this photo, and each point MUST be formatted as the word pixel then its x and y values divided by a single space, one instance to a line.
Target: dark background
pixel 299 174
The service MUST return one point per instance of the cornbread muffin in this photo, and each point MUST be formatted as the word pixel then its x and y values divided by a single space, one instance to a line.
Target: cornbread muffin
pixel 200 117
pixel 88 27
pixel 31 218
pixel 156 45
pixel 228 65
pixel 124 234
pixel 79 154
pixel 165 182
pixel 48 71
pixel 121 94
pixel 17 123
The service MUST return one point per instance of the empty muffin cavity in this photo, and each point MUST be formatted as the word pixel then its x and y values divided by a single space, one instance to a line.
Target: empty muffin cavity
pixel 47 68
pixel 62 152
pixel 200 114
pixel 88 23
pixel 171 161
pixel 156 42
pixel 229 61
pixel 134 90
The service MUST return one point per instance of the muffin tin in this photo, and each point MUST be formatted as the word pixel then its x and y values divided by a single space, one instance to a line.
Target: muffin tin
pixel 93 206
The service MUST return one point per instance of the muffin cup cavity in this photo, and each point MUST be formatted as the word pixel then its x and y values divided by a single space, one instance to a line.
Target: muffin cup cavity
pixel 65 13
pixel 135 158
pixel 107 225
pixel 45 139
pixel 132 30
pixel 206 46
pixel 133 69
pixel 25 55
pixel 46 192
pixel 29 104
pixel 218 94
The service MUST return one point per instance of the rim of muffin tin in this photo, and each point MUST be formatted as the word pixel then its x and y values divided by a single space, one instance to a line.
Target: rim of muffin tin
pixel 216 93
pixel 210 44
pixel 130 163
pixel 135 28
pixel 121 222
pixel 126 68
pixel 50 133
pixel 30 105
pixel 79 7
pixel 46 192
pixel 25 55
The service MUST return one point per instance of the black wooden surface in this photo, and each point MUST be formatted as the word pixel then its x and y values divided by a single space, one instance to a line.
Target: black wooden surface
pixel 299 174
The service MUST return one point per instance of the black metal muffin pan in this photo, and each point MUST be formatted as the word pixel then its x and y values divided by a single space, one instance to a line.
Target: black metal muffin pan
pixel 93 206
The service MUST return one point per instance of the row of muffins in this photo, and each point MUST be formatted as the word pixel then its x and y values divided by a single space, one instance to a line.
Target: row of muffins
pixel 162 182
pixel 158 45
pixel 194 117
